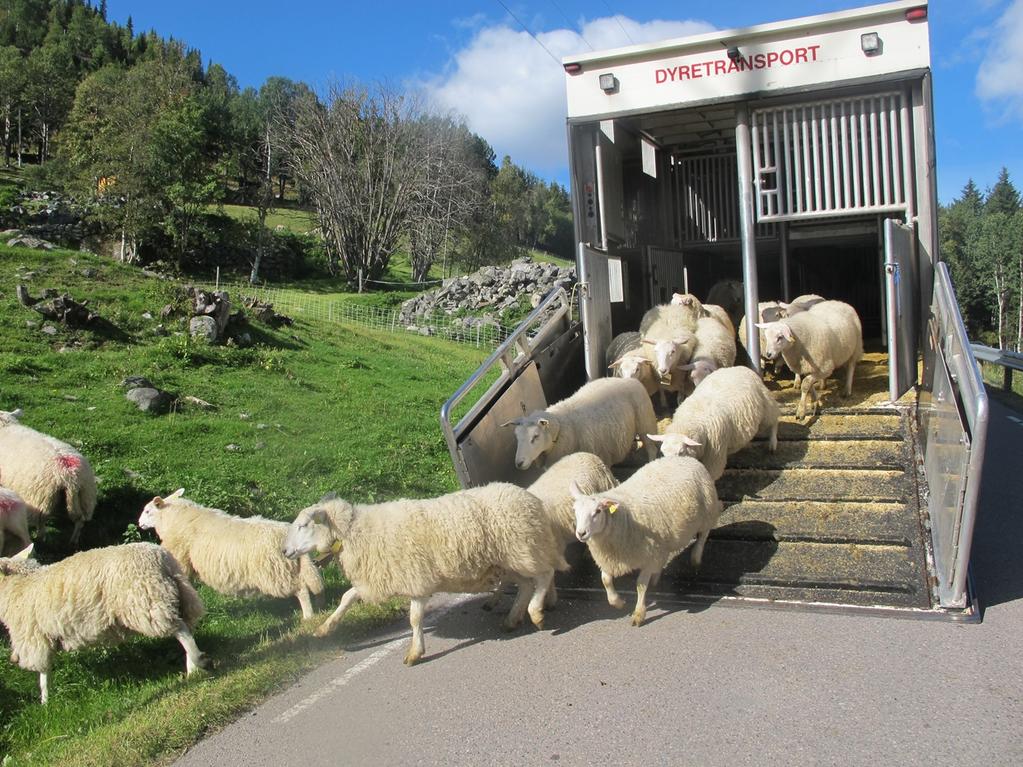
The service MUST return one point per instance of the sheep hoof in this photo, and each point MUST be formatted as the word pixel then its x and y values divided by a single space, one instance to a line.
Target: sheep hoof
pixel 537 621
pixel 510 625
pixel 322 630
pixel 412 658
pixel 638 618
pixel 618 602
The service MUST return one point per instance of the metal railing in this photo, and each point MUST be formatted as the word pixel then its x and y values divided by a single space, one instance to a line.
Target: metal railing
pixel 320 308
pixel 1009 361
pixel 512 356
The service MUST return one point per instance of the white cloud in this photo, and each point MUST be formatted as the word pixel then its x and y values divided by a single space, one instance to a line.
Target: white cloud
pixel 512 93
pixel 998 80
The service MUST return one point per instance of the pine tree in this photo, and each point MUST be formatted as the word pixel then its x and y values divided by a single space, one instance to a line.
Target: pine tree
pixel 1003 196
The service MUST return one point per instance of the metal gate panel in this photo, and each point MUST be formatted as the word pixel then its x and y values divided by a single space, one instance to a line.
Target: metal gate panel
pixel 901 281
pixel 707 199
pixel 667 274
pixel 825 158
pixel 595 309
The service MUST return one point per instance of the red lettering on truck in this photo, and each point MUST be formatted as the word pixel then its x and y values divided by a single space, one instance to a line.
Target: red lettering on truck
pixel 804 54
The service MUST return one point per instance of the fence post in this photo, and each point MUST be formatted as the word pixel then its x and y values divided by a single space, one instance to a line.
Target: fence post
pixel 218 280
pixel 360 279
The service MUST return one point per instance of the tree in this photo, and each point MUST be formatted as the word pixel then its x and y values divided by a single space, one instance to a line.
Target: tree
pixel 12 90
pixel 958 223
pixel 49 92
pixel 1003 197
pixel 357 154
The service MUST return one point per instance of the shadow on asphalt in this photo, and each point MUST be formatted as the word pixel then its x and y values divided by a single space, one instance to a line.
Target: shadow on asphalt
pixel 995 561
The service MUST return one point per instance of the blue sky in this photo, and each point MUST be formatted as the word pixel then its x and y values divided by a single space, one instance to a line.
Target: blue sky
pixel 474 57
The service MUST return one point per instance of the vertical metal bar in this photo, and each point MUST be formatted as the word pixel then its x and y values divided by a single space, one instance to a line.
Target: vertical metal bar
pixel 790 178
pixel 781 180
pixel 814 128
pixel 758 167
pixel 907 158
pixel 783 254
pixel 843 119
pixel 883 128
pixel 856 153
pixel 875 170
pixel 744 163
pixel 898 197
pixel 797 151
pixel 835 199
pixel 804 140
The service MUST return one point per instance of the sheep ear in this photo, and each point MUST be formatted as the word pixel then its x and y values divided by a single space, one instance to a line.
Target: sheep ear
pixel 331 496
pixel 786 332
pixel 686 366
pixel 176 494
pixel 512 422
pixel 763 324
pixel 573 488
pixel 648 342
pixel 606 504
pixel 25 553
pixel 655 437
pixel 158 502
pixel 691 442
pixel 616 363
pixel 544 422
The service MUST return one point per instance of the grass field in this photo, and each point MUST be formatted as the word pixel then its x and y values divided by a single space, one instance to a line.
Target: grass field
pixel 305 410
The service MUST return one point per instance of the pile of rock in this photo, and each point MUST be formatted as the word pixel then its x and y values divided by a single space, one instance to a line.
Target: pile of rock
pixel 492 291
pixel 210 315
pixel 265 313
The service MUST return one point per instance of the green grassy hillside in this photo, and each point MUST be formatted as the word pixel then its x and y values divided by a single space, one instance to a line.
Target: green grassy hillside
pixel 307 409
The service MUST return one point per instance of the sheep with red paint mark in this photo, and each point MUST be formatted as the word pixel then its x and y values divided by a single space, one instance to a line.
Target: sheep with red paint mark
pixel 13 518
pixel 46 472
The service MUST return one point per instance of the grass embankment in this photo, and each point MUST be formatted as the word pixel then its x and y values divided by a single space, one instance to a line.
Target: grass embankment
pixel 306 409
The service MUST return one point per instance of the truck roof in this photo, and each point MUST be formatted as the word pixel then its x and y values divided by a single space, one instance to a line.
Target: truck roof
pixel 803 53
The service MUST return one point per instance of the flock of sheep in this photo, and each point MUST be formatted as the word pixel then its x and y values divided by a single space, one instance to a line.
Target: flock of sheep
pixel 475 540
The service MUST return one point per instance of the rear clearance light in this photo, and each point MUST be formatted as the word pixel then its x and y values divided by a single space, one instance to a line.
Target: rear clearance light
pixel 574 68
pixel 916 14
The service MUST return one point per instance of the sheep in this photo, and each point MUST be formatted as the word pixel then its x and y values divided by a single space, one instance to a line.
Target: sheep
pixel 43 471
pixel 715 348
pixel 639 364
pixel 814 344
pixel 94 596
pixel 589 473
pixel 645 522
pixel 13 518
pixel 666 320
pixel 464 541
pixel 669 353
pixel 769 311
pixel 800 304
pixel 232 555
pixel 719 314
pixel 721 416
pixel 603 417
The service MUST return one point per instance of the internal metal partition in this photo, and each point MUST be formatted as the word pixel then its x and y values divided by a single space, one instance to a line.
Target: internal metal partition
pixel 901 282
pixel 953 415
pixel 832 157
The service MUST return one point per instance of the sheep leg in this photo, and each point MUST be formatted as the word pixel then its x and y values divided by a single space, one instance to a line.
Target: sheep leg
pixel 305 602
pixel 44 687
pixel 613 598
pixel 551 600
pixel 639 614
pixel 849 370
pixel 806 390
pixel 417 647
pixel 194 658
pixel 349 598
pixel 76 533
pixel 542 583
pixel 495 597
pixel 518 608
pixel 701 541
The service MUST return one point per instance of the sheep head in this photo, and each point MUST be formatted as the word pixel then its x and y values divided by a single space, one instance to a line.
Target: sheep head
pixel 699 370
pixel 777 338
pixel 534 435
pixel 678 444
pixel 591 512
pixel 10 416
pixel 316 528
pixel 150 516
pixel 633 366
pixel 19 563
pixel 669 354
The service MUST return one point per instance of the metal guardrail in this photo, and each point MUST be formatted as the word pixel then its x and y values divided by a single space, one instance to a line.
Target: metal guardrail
pixel 954 426
pixel 513 355
pixel 1009 361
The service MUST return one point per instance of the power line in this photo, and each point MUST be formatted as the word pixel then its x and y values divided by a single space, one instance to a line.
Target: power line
pixel 569 21
pixel 620 25
pixel 556 59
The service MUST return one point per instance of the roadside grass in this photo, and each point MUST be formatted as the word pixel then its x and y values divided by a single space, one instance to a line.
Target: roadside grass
pixel 305 410
pixel 993 375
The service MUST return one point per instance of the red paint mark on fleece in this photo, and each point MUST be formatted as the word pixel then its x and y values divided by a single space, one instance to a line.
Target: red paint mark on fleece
pixel 7 505
pixel 70 462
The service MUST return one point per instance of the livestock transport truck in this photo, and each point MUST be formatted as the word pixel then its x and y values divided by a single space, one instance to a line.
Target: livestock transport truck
pixel 796 157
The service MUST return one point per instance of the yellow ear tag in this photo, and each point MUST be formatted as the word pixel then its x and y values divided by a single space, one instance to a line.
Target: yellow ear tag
pixel 336 548
pixel 612 508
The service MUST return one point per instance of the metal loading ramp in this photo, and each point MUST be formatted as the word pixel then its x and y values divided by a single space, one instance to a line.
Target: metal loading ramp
pixel 833 516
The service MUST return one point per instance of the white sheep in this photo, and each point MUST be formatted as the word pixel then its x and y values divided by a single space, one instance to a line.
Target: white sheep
pixel 799 304
pixel 95 596
pixel 720 417
pixel 715 348
pixel 815 343
pixel 645 522
pixel 465 541
pixel 13 518
pixel 590 474
pixel 232 555
pixel 639 364
pixel 664 321
pixel 719 313
pixel 669 353
pixel 604 417
pixel 45 472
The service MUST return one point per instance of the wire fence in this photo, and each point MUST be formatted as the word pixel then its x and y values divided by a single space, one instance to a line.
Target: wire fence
pixel 479 332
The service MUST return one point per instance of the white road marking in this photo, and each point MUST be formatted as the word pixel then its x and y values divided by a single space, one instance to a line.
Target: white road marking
pixel 1017 420
pixel 367 662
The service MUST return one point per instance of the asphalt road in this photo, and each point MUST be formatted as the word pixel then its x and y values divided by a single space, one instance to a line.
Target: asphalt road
pixel 713 686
